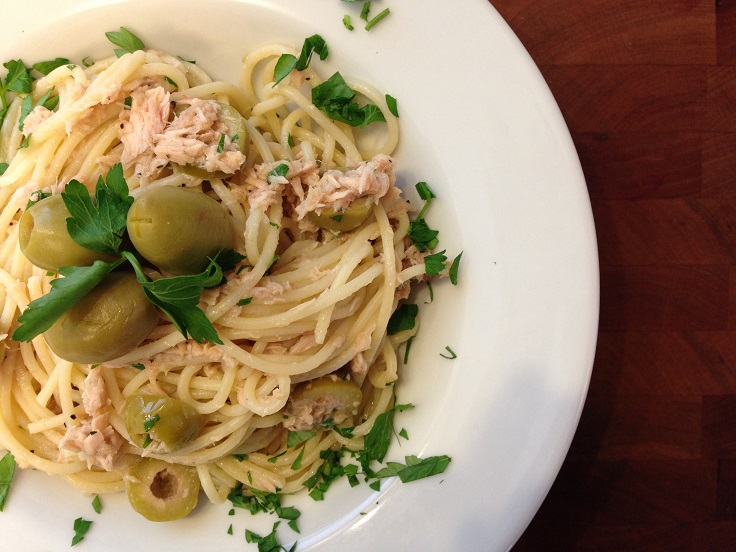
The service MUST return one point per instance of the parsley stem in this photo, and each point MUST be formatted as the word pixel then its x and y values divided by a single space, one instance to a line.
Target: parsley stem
pixel 376 19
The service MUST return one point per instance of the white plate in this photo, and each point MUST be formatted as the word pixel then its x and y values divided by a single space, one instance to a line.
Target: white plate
pixel 481 127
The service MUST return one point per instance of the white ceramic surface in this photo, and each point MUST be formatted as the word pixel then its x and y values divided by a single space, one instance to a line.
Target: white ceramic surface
pixel 481 127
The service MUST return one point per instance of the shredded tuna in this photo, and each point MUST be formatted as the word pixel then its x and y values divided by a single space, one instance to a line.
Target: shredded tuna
pixel 305 415
pixel 35 118
pixel 94 394
pixel 337 190
pixel 364 339
pixel 147 117
pixel 188 353
pixel 304 343
pixel 358 364
pixel 270 292
pixel 193 138
pixel 93 440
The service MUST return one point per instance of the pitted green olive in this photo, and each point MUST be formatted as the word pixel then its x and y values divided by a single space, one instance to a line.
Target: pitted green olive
pixel 160 491
pixel 236 130
pixel 46 242
pixel 178 229
pixel 111 320
pixel 160 424
pixel 344 397
pixel 343 221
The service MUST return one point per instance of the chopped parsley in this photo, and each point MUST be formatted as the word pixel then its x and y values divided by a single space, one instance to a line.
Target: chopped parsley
pixel 3 168
pixel 346 23
pixel 97 504
pixel 221 144
pixel 287 62
pixel 230 529
pixel 45 67
pixel 365 11
pixel 127 41
pixel 335 99
pixel 392 105
pixel 435 263
pixel 295 438
pixel 407 349
pixel 7 470
pixel 244 302
pixel 403 318
pixel 454 268
pixel 280 170
pixel 35 197
pixel 151 421
pixel 415 468
pixel 372 23
pixel 451 356
pixel 81 526
pixel 269 542
pixel 138 366
pixel 403 433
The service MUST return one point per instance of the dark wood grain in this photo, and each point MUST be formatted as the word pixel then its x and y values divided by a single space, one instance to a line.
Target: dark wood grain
pixel 648 90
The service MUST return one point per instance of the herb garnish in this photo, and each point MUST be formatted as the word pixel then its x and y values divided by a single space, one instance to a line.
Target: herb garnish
pixel 335 99
pixel 451 356
pixel 454 268
pixel 97 504
pixel 269 542
pixel 403 318
pixel 435 263
pixel 415 468
pixel 151 421
pixel 392 105
pixel 287 62
pixel 127 41
pixel 346 23
pixel 45 67
pixel 280 170
pixel 18 80
pixel 295 438
pixel 7 470
pixel 365 11
pixel 99 226
pixel 3 168
pixel 379 17
pixel 81 526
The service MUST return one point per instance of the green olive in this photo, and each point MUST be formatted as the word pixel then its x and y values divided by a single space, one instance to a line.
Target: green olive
pixel 178 229
pixel 345 395
pixel 160 424
pixel 236 130
pixel 343 221
pixel 160 491
pixel 111 320
pixel 46 242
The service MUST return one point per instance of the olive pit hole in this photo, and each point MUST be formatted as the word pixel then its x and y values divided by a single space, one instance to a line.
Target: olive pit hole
pixel 164 485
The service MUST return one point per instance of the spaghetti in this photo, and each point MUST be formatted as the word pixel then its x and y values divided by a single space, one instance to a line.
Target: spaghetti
pixel 302 319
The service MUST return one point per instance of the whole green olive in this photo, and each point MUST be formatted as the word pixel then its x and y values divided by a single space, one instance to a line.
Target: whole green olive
pixel 342 396
pixel 46 242
pixel 160 491
pixel 178 229
pixel 111 320
pixel 160 424
pixel 343 221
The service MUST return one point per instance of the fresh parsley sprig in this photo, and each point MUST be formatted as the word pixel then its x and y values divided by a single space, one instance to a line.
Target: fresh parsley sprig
pixel 65 292
pixel 126 40
pixel 7 470
pixel 99 226
pixel 288 62
pixel 335 99
pixel 18 80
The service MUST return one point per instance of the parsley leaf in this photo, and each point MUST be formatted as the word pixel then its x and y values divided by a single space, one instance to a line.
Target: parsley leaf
pixel 365 11
pixel 127 41
pixel 97 504
pixel 151 421
pixel 423 236
pixel 392 105
pixel 26 105
pixel 18 80
pixel 178 297
pixel 335 99
pixel 45 67
pixel 280 170
pixel 3 168
pixel 244 302
pixel 65 292
pixel 379 437
pixel 81 526
pixel 454 268
pixel 295 438
pixel 99 226
pixel 402 319
pixel 35 197
pixel 267 543
pixel 435 263
pixel 287 62
pixel 7 470
pixel 415 468
pixel 346 23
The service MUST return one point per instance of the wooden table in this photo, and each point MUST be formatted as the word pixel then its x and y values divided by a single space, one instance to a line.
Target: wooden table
pixel 648 89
